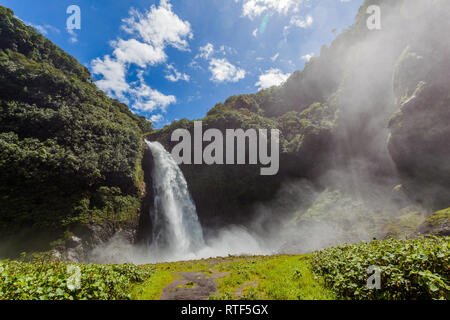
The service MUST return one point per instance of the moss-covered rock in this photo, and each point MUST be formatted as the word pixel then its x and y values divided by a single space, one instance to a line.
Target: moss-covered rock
pixel 419 142
pixel 343 217
pixel 405 225
pixel 438 223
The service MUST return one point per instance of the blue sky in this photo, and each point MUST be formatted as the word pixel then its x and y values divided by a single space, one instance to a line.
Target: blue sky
pixel 173 59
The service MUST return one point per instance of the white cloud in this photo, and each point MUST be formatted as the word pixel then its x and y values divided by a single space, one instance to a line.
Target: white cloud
pixel 156 118
pixel 141 54
pixel 224 71
pixel 299 22
pixel 255 8
pixel 44 29
pixel 40 28
pixel 114 80
pixel 302 23
pixel 205 52
pixel 255 32
pixel 221 69
pixel 73 35
pixel 272 77
pixel 307 57
pixel 174 75
pixel 275 57
pixel 159 26
pixel 155 30
pixel 147 99
pixel 224 50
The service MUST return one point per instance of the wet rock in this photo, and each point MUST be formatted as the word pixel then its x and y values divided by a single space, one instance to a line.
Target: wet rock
pixel 437 224
pixel 418 142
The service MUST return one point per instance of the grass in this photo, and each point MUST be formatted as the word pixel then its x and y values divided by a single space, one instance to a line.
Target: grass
pixel 280 277
pixel 275 278
pixel 152 288
pixel 164 274
pixel 410 269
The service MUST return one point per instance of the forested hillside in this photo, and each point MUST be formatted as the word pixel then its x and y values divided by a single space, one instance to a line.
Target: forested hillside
pixel 69 155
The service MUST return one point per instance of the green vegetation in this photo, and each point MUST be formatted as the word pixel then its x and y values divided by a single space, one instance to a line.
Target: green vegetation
pixel 49 281
pixel 69 155
pixel 410 269
pixel 438 223
pixel 70 158
pixel 258 277
pixel 338 208
pixel 438 217
pixel 404 226
pixel 21 38
pixel 152 288
pixel 273 278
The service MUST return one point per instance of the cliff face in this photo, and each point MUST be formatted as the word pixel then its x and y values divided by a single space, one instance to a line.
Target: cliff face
pixel 420 129
pixel 70 157
pixel 371 111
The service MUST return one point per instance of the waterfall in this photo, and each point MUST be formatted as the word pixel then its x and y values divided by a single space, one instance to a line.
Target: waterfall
pixel 176 229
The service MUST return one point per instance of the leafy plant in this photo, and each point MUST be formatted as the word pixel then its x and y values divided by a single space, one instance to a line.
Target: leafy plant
pixel 410 269
pixel 43 280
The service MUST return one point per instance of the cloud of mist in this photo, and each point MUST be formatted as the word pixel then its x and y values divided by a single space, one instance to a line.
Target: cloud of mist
pixel 232 240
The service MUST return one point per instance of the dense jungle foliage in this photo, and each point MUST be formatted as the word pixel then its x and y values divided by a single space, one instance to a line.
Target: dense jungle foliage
pixel 68 153
pixel 408 269
pixel 43 280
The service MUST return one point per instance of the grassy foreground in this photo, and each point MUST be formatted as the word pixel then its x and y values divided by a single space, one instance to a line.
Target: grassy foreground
pixel 409 269
pixel 259 277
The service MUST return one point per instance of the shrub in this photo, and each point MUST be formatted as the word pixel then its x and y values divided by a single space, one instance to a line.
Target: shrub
pixel 410 269
pixel 49 281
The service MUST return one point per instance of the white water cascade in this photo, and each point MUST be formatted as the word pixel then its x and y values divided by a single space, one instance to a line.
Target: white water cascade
pixel 176 229
pixel 177 234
